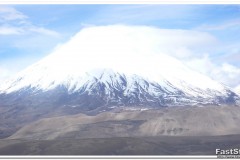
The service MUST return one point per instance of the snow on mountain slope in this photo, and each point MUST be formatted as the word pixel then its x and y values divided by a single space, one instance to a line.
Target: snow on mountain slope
pixel 117 62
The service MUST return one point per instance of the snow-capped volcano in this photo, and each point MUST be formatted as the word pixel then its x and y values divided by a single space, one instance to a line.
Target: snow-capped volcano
pixel 116 65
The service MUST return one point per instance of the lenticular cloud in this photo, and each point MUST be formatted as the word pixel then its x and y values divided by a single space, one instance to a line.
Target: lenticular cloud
pixel 120 47
pixel 131 50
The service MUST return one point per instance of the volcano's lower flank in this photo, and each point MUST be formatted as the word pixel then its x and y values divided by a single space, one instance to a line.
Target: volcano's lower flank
pixel 166 131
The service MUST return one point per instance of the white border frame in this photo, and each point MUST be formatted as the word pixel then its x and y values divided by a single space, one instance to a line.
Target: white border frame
pixel 86 157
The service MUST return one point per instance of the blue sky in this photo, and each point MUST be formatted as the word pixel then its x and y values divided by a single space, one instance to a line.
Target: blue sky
pixel 30 32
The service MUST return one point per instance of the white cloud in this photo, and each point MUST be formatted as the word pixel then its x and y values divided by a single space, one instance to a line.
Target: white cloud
pixel 45 31
pixel 9 14
pixel 202 64
pixel 230 69
pixel 142 14
pixel 13 22
pixel 187 45
pixel 237 89
pixel 123 44
pixel 146 40
pixel 224 73
pixel 6 30
pixel 23 30
pixel 230 24
pixel 227 74
pixel 119 46
pixel 4 73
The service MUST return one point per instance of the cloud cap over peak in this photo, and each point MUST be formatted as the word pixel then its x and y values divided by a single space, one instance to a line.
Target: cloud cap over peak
pixel 130 45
